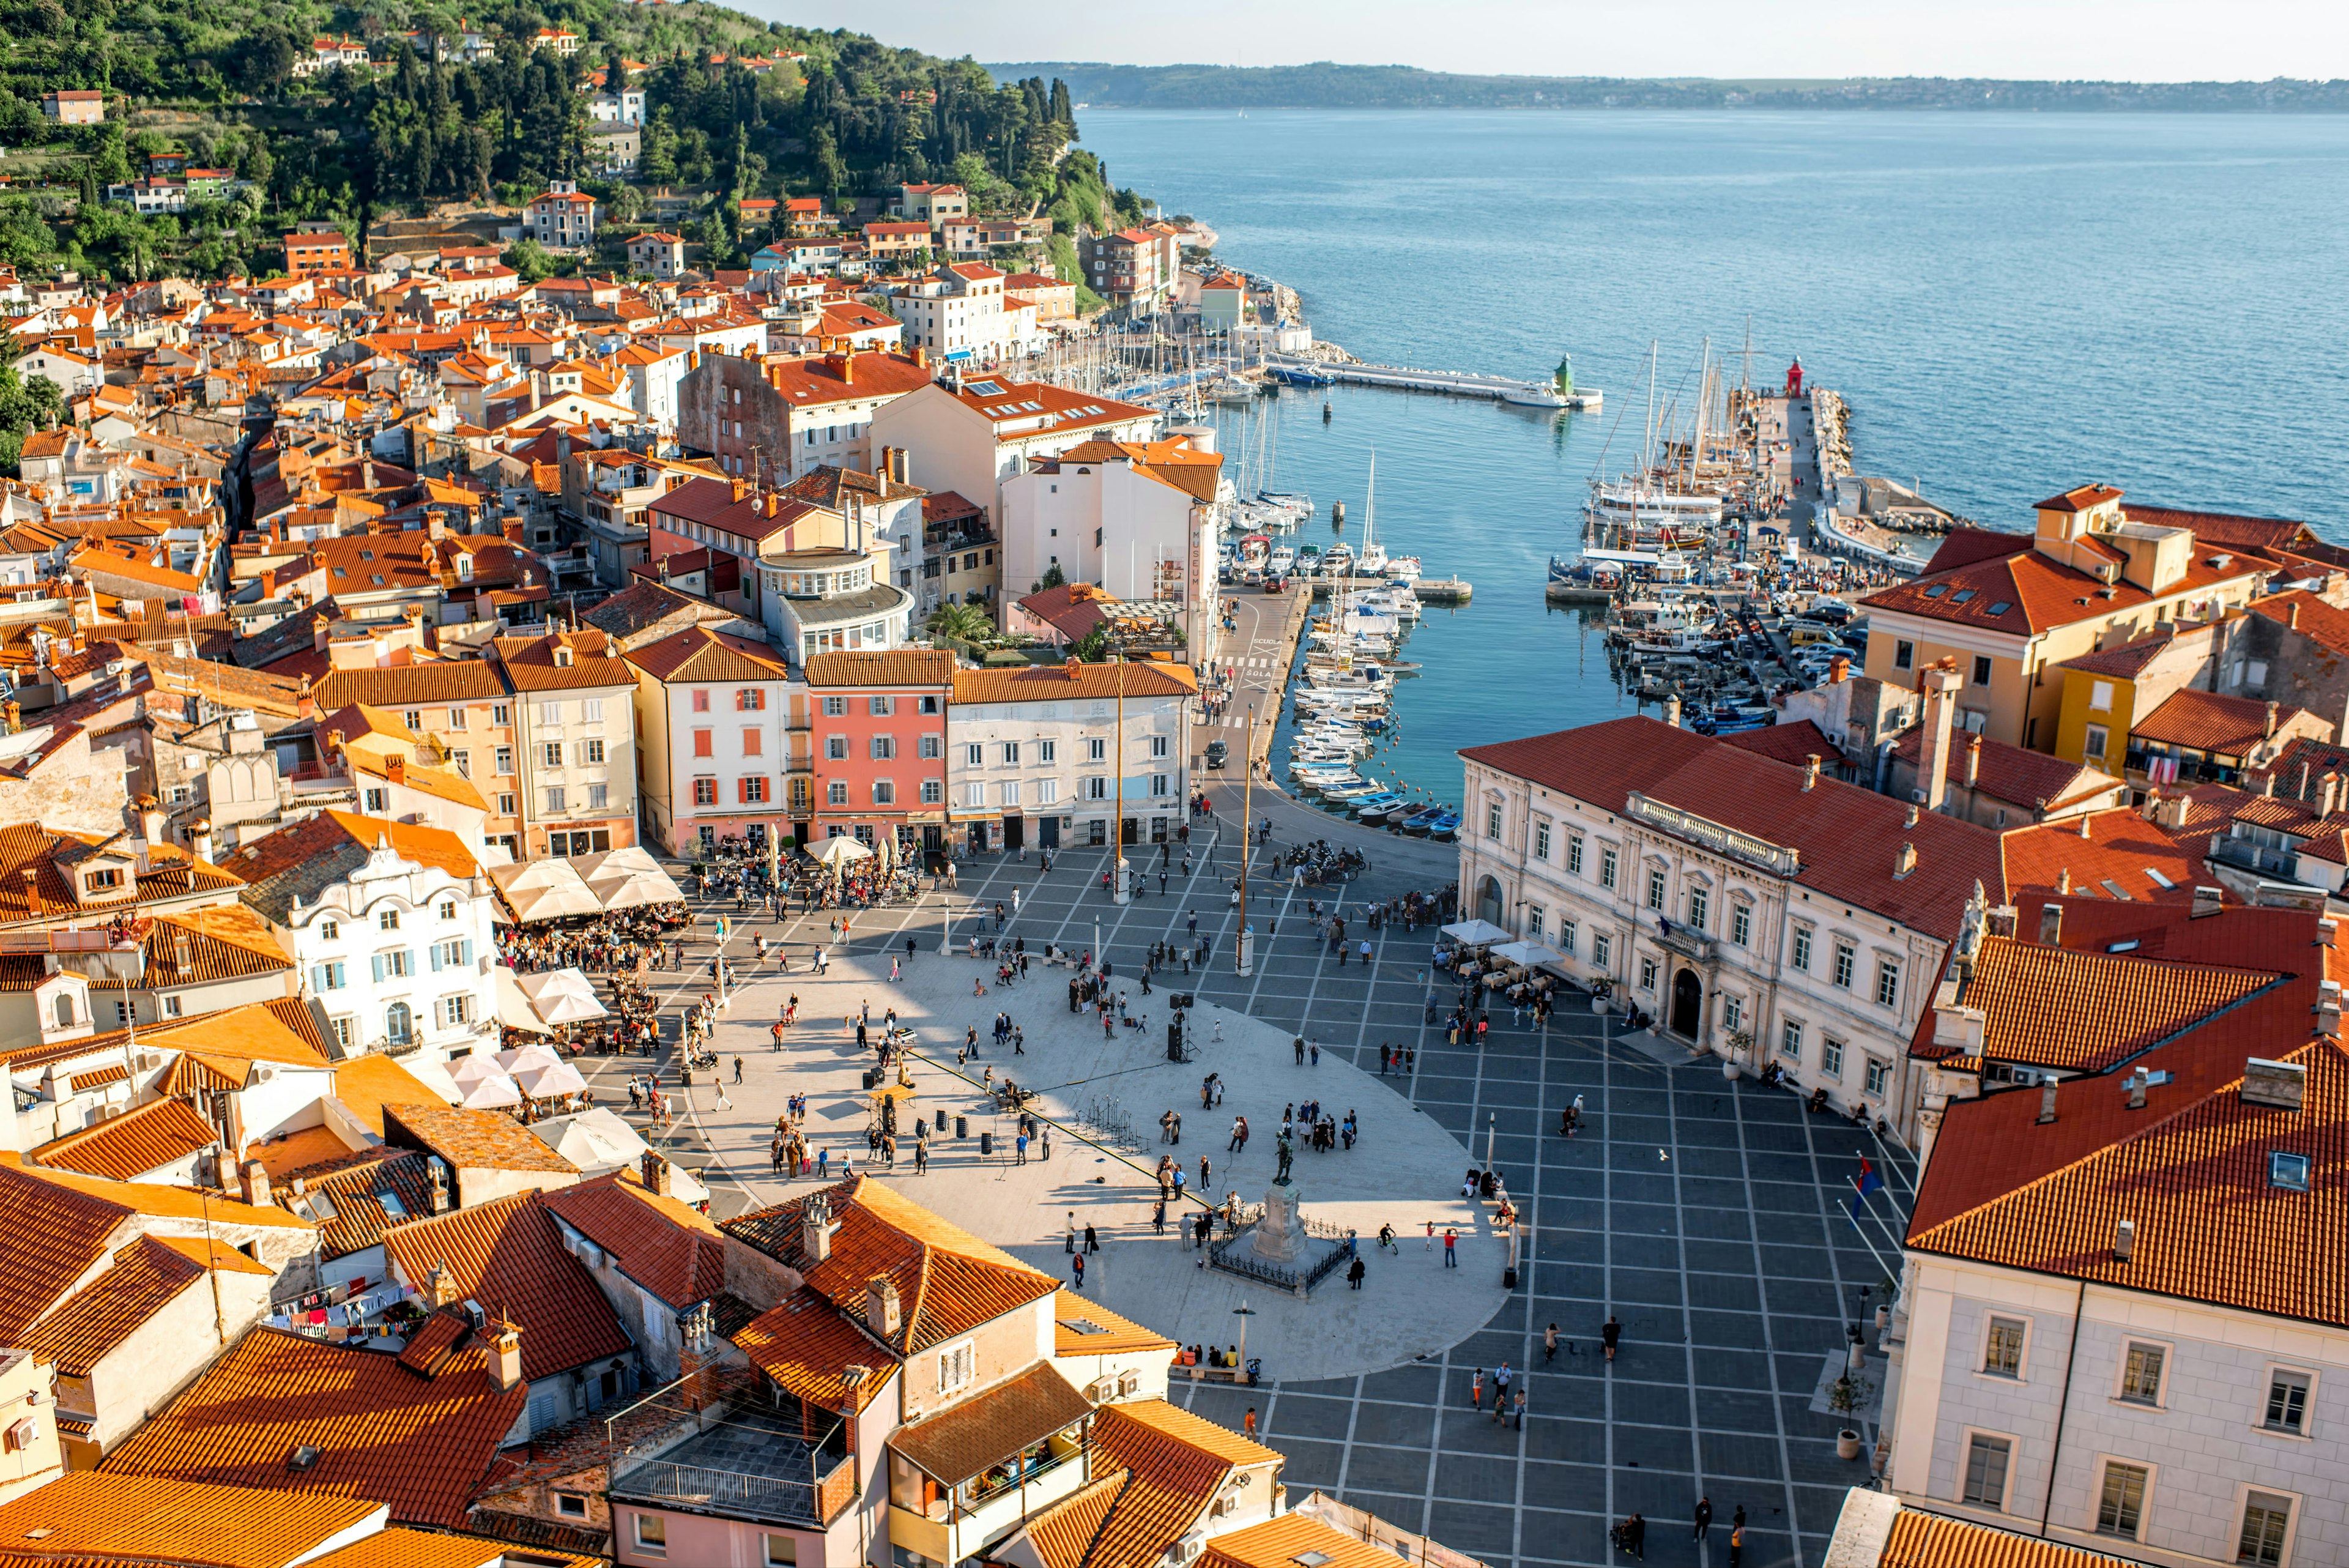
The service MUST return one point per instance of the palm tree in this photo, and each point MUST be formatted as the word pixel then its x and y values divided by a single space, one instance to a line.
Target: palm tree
pixel 963 623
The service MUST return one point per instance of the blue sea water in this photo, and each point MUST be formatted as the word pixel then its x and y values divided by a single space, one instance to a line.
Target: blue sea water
pixel 2012 304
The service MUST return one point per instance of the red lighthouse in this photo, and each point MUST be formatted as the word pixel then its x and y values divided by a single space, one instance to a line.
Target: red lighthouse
pixel 1794 380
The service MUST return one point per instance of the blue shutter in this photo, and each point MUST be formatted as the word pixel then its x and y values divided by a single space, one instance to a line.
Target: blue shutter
pixel 318 978
pixel 411 962
pixel 435 951
pixel 377 960
pixel 469 950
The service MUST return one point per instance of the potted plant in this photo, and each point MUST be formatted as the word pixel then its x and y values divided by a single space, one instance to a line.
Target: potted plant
pixel 1741 1041
pixel 1849 1393
pixel 1599 993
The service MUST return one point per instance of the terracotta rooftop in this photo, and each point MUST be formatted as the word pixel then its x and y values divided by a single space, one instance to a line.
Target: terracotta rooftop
pixel 2202 721
pixel 699 653
pixel 1922 1540
pixel 2026 779
pixel 671 1250
pixel 2114 854
pixel 1073 682
pixel 145 1277
pixel 369 1083
pixel 530 664
pixel 436 682
pixel 1789 743
pixel 128 1146
pixel 419 1444
pixel 1281 1542
pixel 1085 1327
pixel 807 1344
pixel 2023 592
pixel 933 666
pixel 92 1516
pixel 2091 1012
pixel 510 1256
pixel 2125 660
pixel 480 1139
pixel 2325 624
pixel 200 947
pixel 302 860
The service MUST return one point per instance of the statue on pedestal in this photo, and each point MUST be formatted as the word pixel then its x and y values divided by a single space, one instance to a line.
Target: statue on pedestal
pixel 1281 1234
pixel 1285 1154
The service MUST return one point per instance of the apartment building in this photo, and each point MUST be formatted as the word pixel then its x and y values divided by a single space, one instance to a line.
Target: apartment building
pixel 575 724
pixel 769 419
pixel 463 711
pixel 1136 518
pixel 973 437
pixel 1048 754
pixel 1754 908
pixel 880 732
pixel 712 712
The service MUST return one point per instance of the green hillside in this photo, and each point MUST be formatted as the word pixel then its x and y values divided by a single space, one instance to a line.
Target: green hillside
pixel 219 82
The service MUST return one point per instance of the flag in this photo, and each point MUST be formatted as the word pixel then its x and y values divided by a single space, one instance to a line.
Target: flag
pixel 1869 1180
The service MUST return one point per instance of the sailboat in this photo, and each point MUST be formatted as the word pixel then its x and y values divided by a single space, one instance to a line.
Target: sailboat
pixel 1372 559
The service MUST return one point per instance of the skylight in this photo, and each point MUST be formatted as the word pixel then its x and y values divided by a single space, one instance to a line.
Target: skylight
pixel 1082 1325
pixel 2157 879
pixel 986 389
pixel 1937 590
pixel 2289 1171
pixel 1962 596
pixel 2001 608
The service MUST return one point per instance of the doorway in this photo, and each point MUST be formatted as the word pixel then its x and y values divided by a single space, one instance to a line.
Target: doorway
pixel 1015 833
pixel 1488 901
pixel 1688 1004
pixel 1047 832
pixel 1129 830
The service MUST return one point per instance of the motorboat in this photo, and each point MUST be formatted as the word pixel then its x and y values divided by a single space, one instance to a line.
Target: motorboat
pixel 1444 826
pixel 1253 549
pixel 1337 560
pixel 1295 501
pixel 1280 560
pixel 1362 791
pixel 1405 569
pixel 1423 820
pixel 1375 808
pixel 1308 561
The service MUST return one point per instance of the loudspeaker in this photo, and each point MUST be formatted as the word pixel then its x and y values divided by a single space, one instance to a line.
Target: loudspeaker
pixel 1181 999
pixel 1174 1042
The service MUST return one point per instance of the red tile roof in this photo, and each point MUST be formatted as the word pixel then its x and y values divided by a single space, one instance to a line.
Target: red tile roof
pixel 2025 778
pixel 57 1235
pixel 509 1256
pixel 807 1344
pixel 929 667
pixel 417 1445
pixel 2124 659
pixel 2090 1012
pixel 2036 592
pixel 2206 722
pixel 93 1517
pixel 2325 625
pixel 669 1249
pixel 2122 856
pixel 144 1278
pixel 2079 498
pixel 128 1146
pixel 1922 1540
pixel 1788 743
pixel 2193 1175
pixel 1846 836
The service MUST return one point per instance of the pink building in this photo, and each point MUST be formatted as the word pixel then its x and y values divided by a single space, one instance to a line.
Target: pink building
pixel 714 713
pixel 880 722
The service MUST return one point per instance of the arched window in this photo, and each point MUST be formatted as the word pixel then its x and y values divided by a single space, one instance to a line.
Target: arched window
pixel 65 1010
pixel 396 1024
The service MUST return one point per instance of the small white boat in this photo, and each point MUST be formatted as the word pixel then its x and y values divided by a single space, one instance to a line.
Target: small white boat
pixel 1280 560
pixel 1373 560
pixel 1337 560
pixel 1404 568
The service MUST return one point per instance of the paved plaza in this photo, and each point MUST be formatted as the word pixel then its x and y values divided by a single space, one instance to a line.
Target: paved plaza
pixel 1709 1216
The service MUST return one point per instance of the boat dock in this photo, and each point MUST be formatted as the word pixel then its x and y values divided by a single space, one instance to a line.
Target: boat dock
pixel 1430 590
pixel 1459 383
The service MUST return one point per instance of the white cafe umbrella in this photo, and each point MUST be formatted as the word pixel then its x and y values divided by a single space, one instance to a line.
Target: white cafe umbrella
pixel 514 1010
pixel 1477 933
pixel 1529 954
pixel 474 1071
pixel 568 1007
pixel 528 1059
pixel 839 852
pixel 554 1078
pixel 632 889
pixel 490 1094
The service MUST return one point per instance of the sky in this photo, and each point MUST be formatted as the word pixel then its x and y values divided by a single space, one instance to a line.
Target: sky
pixel 2139 40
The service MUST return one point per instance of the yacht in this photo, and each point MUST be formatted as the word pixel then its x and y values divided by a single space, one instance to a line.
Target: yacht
pixel 1405 569
pixel 1280 560
pixel 1337 560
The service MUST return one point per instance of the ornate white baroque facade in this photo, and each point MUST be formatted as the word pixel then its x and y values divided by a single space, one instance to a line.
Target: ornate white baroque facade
pixel 398 956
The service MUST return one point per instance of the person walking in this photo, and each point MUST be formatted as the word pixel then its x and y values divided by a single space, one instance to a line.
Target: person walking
pixel 1077 1267
pixel 1247 1423
pixel 1704 1517
pixel 1610 1335
pixel 1300 1047
pixel 1354 1272
pixel 1736 1545
pixel 1476 1389
pixel 1635 1537
pixel 1158 1217
pixel 1549 1343
pixel 1093 1243
pixel 1450 1241
pixel 1019 1151
pixel 1430 1237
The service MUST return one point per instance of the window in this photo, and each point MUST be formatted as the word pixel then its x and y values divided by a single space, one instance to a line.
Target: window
pixel 2003 1349
pixel 376 800
pixel 836 707
pixel 592 751
pixel 1981 670
pixel 934 791
pixel 1904 655
pixel 884 793
pixel 877 706
pixel 507 805
pixel 1831 1057
pixel 1493 819
pixel 2287 1403
pixel 599 796
pixel 929 748
pixel 1655 889
pixel 329 930
pixel 1600 946
pixel 1790 1039
pixel 1047 792
pixel 386 920
pixel 1157 745
pixel 413 719
pixel 554 797
pixel 551 754
pixel 835 793
pixel 1699 905
pixel 398 1023
pixel 498 713
pixel 1845 960
pixel 2120 1505
pixel 550 713
pixel 2141 1374
pixel 704 791
pixel 1986 1462
pixel 1096 788
pixel 455 1011
pixel 955 1365
pixel 570 1505
pixel 1606 868
pixel 1162 784
pixel 974 754
pixel 783 1551
pixel 1011 754
pixel 505 759
pixel 1741 924
pixel 464 761
pixel 750 699
pixel 1733 1012
pixel 1095 750
pixel 1574 854
pixel 2266 1520
pixel 1541 840
pixel 652 1534
pixel 1802 955
pixel 2289 1171
pixel 2098 738
pixel 701 700
pixel 345 1031
pixel 2100 696
pixel 1647 974
pixel 1047 751
pixel 1565 932
pixel 450 954
pixel 1887 983
pixel 883 747
pixel 1878 1075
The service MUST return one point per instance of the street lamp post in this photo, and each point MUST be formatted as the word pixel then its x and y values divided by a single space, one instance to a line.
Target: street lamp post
pixel 1244 1312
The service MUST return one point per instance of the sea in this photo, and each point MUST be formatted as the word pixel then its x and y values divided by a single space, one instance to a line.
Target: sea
pixel 2011 304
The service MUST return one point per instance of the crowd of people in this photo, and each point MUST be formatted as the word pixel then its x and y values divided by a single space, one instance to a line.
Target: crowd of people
pixel 626 939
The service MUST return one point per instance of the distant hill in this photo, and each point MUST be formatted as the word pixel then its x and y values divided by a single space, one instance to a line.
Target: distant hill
pixel 1324 85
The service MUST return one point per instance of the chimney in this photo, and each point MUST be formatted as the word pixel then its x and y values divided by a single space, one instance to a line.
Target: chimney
pixel 2267 729
pixel 2172 811
pixel 440 1287
pixel 396 770
pixel 1914 815
pixel 2051 925
pixel 150 821
pixel 922 358
pixel 2207 901
pixel 1939 689
pixel 2046 1102
pixel 1810 770
pixel 880 1308
pixel 505 1355
pixel 1974 760
pixel 2087 827
pixel 2282 1086
pixel 1838 670
pixel 815 1230
pixel 2301 792
pixel 2137 1081
pixel 848 370
pixel 256 1184
pixel 437 1177
pixel 2124 1240
pixel 1673 712
pixel 2328 791
pixel 1904 860
pixel 33 893
pixel 2328 1008
pixel 2292 620
pixel 656 1172
pixel 738 487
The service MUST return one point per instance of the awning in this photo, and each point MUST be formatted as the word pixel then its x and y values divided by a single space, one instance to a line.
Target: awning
pixel 514 1010
pixel 959 353
pixel 1477 933
pixel 544 890
pixel 561 996
pixel 1528 953
pixel 597 1140
pixel 958 1443
pixel 838 852
pixel 633 889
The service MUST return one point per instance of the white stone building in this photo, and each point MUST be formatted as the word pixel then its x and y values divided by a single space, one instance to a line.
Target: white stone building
pixel 959 312
pixel 1751 906
pixel 1033 753
pixel 970 437
pixel 1136 518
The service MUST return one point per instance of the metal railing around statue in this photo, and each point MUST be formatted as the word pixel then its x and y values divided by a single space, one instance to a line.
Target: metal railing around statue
pixel 1224 1253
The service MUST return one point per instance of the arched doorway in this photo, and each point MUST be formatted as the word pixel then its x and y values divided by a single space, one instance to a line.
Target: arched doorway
pixel 1488 900
pixel 1688 1004
pixel 397 1023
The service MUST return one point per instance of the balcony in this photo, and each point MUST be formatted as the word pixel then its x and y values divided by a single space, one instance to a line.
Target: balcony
pixel 749 1463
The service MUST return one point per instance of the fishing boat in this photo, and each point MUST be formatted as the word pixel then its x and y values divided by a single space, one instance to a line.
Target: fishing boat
pixel 1374 807
pixel 1445 826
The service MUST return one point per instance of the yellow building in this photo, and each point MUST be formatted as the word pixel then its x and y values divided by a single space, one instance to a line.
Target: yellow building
pixel 2006 609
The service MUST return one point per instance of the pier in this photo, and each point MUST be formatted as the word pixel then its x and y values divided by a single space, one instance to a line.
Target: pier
pixel 1458 383
pixel 1429 590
